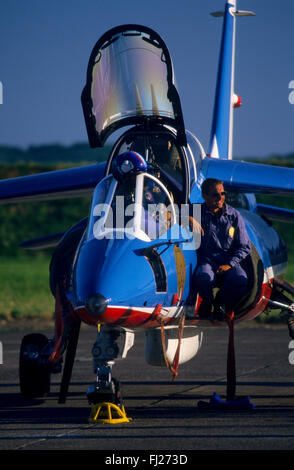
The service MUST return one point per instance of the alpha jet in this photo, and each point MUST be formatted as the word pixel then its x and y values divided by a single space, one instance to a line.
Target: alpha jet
pixel 129 264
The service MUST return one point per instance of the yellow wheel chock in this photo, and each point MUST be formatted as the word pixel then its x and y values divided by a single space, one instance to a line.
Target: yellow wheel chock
pixel 108 413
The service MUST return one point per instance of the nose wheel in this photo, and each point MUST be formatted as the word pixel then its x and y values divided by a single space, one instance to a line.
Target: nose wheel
pixel 105 391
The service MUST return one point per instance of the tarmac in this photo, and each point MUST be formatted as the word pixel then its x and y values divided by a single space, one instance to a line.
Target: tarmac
pixel 165 415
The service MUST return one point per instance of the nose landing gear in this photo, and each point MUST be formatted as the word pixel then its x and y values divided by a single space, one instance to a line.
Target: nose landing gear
pixel 105 393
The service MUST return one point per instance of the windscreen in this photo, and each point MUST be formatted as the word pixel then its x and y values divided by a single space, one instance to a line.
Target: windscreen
pixel 129 79
pixel 136 207
pixel 158 212
pixel 100 206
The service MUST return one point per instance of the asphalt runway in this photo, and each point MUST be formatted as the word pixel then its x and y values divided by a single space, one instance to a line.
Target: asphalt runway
pixel 165 416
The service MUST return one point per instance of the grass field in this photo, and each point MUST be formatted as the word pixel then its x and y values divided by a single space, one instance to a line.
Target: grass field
pixel 25 290
pixel 290 273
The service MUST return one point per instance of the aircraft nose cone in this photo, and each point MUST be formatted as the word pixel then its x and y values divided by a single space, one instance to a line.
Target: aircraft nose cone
pixel 96 304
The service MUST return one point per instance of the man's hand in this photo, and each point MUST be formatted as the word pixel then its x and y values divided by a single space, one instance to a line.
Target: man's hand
pixel 195 226
pixel 223 268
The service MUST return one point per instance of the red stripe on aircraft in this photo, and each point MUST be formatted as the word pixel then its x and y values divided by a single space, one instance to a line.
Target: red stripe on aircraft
pixel 126 317
pixel 130 318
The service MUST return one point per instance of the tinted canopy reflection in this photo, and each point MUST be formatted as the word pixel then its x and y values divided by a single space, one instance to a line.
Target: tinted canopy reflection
pixel 130 78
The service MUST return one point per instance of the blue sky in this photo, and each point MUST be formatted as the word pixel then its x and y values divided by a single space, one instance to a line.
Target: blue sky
pixel 45 47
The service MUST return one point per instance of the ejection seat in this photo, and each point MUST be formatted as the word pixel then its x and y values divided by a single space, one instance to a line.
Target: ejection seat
pixel 164 157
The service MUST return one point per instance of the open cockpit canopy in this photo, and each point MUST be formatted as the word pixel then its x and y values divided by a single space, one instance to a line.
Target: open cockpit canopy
pixel 130 81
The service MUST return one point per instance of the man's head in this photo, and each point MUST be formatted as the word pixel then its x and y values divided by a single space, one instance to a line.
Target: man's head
pixel 213 193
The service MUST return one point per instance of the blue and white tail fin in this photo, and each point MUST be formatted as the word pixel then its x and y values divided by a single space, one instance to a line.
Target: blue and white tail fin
pixel 221 139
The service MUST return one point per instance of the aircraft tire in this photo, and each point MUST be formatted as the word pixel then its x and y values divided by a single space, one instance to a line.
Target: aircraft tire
pixel 110 394
pixel 34 377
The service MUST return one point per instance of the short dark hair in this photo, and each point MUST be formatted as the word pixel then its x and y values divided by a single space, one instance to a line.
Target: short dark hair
pixel 209 183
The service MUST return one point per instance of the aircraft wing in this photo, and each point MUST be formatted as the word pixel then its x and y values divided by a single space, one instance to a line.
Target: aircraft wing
pixel 276 213
pixel 246 177
pixel 58 184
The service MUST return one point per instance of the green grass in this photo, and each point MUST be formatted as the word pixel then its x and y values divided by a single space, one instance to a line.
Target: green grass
pixel 290 273
pixel 25 288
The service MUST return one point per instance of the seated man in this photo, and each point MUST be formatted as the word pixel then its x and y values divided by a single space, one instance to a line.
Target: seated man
pixel 224 244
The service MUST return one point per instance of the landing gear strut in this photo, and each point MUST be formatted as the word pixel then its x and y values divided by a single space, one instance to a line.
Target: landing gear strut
pixel 105 350
pixel 281 301
pixel 287 314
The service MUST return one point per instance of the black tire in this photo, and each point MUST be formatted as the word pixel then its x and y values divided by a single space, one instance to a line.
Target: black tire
pixel 111 394
pixel 34 377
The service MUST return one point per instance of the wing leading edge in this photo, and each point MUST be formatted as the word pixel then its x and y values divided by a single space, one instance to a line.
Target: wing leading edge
pixel 246 177
pixel 71 182
pixel 275 213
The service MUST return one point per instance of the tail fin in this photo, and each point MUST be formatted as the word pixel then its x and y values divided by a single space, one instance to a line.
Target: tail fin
pixel 221 138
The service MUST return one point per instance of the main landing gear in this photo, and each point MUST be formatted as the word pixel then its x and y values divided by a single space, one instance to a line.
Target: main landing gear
pixel 282 302
pixel 34 367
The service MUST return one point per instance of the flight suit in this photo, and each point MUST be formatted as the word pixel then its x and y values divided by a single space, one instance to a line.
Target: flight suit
pixel 224 242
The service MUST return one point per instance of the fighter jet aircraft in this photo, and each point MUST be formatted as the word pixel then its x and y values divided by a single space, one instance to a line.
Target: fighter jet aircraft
pixel 128 265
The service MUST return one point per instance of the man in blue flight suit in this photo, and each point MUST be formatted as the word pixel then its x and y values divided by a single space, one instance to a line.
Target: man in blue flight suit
pixel 224 244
